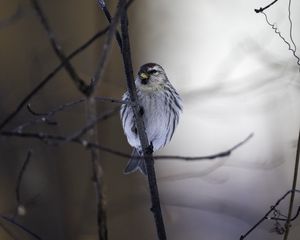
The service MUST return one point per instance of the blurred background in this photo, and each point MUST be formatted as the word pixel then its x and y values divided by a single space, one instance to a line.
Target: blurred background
pixel 236 77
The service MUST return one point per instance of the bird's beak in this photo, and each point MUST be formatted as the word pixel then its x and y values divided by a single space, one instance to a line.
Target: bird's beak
pixel 144 76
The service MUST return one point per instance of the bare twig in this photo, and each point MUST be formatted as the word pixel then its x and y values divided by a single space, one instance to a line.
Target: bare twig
pixel 55 139
pixel 295 177
pixel 92 130
pixel 8 231
pixel 293 48
pixel 109 18
pixel 213 156
pixel 92 123
pixel 20 176
pixel 91 127
pixel 80 84
pixel 112 100
pixel 25 229
pixel 102 4
pixel 98 182
pixel 291 33
pixel 45 116
pixel 50 76
pixel 105 49
pixel 264 8
pixel 265 217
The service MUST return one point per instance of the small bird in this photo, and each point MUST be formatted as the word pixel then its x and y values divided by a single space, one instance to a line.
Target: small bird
pixel 160 108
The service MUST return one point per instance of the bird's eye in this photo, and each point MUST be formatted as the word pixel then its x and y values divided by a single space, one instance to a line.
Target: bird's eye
pixel 152 71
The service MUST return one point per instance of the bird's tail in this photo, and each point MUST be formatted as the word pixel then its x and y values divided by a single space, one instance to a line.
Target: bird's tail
pixel 136 163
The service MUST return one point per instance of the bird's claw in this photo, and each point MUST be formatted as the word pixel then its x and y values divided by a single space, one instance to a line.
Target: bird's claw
pixel 149 149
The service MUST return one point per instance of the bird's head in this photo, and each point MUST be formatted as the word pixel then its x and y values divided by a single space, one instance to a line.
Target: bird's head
pixel 151 77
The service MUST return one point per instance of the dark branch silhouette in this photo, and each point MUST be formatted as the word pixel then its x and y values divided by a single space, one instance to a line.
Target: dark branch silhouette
pixel 276 30
pixel 105 50
pixel 147 149
pixel 213 156
pixel 266 216
pixel 80 84
pixel 295 178
pixel 49 77
pixel 90 125
pixel 264 8
pixel 46 117
pixel 56 140
pixel 20 226
pixel 20 177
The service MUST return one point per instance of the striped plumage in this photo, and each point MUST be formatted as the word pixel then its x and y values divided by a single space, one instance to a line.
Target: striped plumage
pixel 160 108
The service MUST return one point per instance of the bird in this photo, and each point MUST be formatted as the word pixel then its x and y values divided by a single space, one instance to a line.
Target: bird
pixel 160 107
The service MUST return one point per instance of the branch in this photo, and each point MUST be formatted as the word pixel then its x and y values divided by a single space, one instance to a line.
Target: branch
pixel 147 149
pixel 92 123
pixel 50 76
pixel 102 4
pixel 20 177
pixel 97 177
pixel 212 156
pixel 25 229
pixel 109 18
pixel 105 49
pixel 80 84
pixel 8 231
pixel 55 139
pixel 264 8
pixel 276 30
pixel 45 117
pixel 295 177
pixel 266 216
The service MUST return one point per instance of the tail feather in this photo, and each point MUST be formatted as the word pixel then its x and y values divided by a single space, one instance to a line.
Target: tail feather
pixel 135 164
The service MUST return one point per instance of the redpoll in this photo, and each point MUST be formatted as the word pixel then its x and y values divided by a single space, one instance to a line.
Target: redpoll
pixel 160 107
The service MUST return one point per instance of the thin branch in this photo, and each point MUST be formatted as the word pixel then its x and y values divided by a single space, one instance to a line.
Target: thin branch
pixel 98 182
pixel 92 123
pixel 266 216
pixel 80 84
pixel 264 8
pixel 105 49
pixel 285 219
pixel 20 226
pixel 55 139
pixel 112 100
pixel 92 130
pixel 50 76
pixel 8 231
pixel 295 177
pixel 102 4
pixel 20 176
pixel 109 18
pixel 276 30
pixel 291 33
pixel 212 156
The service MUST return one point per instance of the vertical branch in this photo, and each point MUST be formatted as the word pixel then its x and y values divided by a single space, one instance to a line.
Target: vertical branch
pixel 20 177
pixel 97 172
pixel 93 133
pixel 147 149
pixel 287 225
